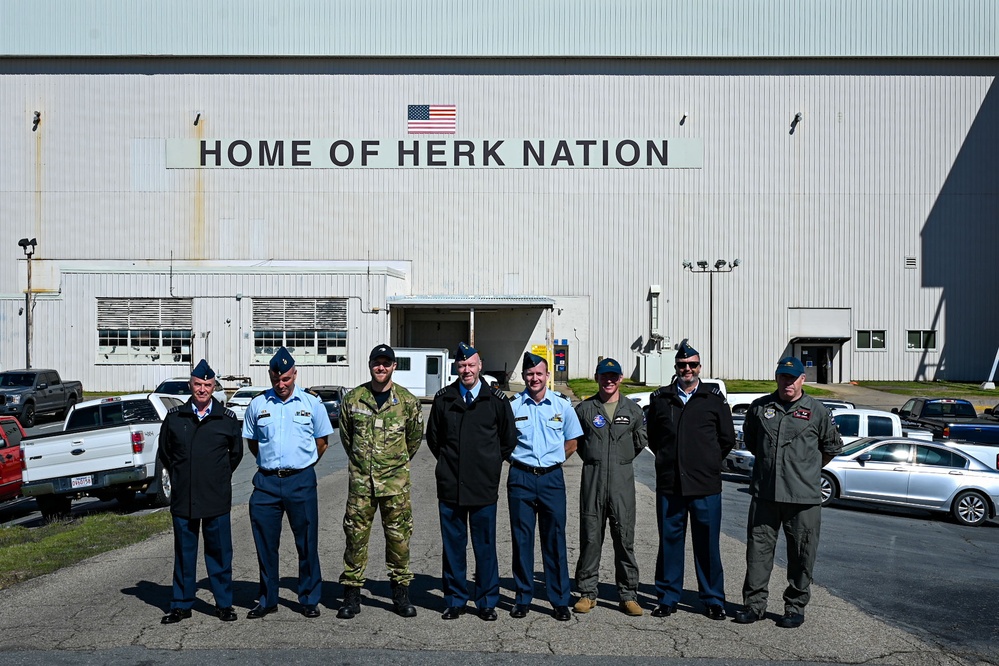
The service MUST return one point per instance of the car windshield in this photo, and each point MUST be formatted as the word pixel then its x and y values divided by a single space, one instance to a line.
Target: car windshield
pixel 950 408
pixel 17 379
pixel 859 445
pixel 174 387
pixel 247 393
pixel 327 396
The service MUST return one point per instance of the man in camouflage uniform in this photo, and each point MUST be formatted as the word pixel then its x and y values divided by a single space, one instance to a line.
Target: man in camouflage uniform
pixel 381 425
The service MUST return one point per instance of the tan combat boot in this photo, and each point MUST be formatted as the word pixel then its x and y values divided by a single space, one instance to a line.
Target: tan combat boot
pixel 585 605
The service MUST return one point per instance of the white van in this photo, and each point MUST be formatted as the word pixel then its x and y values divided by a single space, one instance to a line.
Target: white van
pixel 425 371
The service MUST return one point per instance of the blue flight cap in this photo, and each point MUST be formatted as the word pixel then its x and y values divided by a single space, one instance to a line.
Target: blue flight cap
pixel 531 360
pixel 203 371
pixel 465 351
pixel 609 365
pixel 789 365
pixel 685 350
pixel 282 361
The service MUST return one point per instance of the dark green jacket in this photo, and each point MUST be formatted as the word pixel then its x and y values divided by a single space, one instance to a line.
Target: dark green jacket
pixel 788 441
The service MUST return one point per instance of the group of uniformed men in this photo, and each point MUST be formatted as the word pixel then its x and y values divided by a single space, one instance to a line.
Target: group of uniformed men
pixel 472 430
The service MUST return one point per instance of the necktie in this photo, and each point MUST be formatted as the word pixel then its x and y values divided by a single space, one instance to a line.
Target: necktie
pixel 468 399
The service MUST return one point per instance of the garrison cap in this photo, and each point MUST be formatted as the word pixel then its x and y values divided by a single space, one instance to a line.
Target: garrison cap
pixel 203 371
pixel 382 350
pixel 465 351
pixel 685 350
pixel 531 360
pixel 609 365
pixel 282 361
pixel 789 365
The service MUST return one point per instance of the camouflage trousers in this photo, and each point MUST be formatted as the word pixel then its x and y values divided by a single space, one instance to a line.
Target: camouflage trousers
pixel 397 523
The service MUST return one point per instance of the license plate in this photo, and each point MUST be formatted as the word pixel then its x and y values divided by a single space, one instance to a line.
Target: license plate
pixel 82 481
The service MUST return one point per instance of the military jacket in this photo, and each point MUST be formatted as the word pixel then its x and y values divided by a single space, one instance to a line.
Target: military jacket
pixel 788 441
pixel 200 456
pixel 690 441
pixel 380 442
pixel 470 444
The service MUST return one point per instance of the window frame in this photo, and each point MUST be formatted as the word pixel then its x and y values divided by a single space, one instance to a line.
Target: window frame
pixel 924 334
pixel 870 347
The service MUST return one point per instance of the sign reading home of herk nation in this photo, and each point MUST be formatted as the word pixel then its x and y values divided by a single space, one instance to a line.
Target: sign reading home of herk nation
pixel 682 153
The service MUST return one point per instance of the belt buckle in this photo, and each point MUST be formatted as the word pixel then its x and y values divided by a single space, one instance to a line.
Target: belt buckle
pixel 283 473
pixel 537 471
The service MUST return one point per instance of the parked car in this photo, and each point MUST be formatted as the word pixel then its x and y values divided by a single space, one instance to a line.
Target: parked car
pixel 11 434
pixel 27 393
pixel 242 397
pixel 913 473
pixel 739 460
pixel 834 405
pixel 331 397
pixel 854 424
pixel 182 386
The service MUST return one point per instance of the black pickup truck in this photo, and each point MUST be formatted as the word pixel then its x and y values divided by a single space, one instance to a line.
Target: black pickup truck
pixel 949 418
pixel 27 393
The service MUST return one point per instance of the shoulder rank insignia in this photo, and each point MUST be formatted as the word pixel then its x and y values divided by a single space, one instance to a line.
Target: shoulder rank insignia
pixel 499 393
pixel 658 392
pixel 441 392
pixel 174 409
pixel 231 414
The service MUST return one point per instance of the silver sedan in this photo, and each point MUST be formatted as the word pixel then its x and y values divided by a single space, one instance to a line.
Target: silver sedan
pixel 914 473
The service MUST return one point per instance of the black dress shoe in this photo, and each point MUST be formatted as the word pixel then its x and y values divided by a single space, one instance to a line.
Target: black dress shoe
pixel 791 620
pixel 310 610
pixel 259 611
pixel 519 611
pixel 227 614
pixel 453 613
pixel 562 613
pixel 176 615
pixel 715 611
pixel 747 616
pixel 488 614
pixel 663 610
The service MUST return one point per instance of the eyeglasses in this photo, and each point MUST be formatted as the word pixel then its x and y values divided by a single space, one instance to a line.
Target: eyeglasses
pixel 680 365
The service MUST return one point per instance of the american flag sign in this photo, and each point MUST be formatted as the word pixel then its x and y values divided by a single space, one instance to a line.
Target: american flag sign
pixel 431 119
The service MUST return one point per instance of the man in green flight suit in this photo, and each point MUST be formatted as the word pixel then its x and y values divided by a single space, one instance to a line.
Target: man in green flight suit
pixel 613 436
pixel 381 425
pixel 793 438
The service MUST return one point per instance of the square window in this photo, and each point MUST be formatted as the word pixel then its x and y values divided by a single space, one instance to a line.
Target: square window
pixel 870 339
pixel 921 340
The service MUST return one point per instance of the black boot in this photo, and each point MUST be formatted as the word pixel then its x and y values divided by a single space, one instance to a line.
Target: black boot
pixel 351 602
pixel 400 599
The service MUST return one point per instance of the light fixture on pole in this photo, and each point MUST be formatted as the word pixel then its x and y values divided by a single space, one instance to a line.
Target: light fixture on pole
pixel 29 249
pixel 720 266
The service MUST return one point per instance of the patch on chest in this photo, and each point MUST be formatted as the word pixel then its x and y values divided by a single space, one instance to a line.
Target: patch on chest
pixel 303 412
pixel 769 413
pixel 599 421
pixel 622 420
pixel 803 414
pixel 557 418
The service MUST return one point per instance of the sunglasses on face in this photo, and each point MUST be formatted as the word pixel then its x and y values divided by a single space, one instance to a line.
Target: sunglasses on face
pixel 680 365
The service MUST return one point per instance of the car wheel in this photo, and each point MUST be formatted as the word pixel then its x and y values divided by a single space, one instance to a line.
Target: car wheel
pixel 54 507
pixel 164 491
pixel 70 401
pixel 970 508
pixel 28 416
pixel 827 488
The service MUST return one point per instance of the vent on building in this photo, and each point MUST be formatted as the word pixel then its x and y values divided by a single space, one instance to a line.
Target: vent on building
pixel 910 262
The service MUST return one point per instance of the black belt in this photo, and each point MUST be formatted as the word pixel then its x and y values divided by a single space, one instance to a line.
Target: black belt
pixel 282 473
pixel 536 471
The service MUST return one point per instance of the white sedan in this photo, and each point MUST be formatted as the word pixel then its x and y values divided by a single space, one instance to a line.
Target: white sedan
pixel 242 397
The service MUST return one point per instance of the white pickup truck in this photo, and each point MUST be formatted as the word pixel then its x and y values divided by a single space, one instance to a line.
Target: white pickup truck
pixel 107 449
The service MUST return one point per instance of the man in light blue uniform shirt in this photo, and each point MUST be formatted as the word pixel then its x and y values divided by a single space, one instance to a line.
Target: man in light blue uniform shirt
pixel 286 429
pixel 547 429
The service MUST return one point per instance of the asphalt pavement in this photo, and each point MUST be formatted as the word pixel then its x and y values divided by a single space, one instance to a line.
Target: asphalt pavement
pixel 107 609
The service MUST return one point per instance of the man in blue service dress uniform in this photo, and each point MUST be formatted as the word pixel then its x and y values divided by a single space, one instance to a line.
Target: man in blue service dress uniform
pixel 547 429
pixel 200 445
pixel 470 432
pixel 690 431
pixel 286 429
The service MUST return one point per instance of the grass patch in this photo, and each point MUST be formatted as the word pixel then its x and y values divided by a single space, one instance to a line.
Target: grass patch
pixel 29 552
pixel 584 388
pixel 934 389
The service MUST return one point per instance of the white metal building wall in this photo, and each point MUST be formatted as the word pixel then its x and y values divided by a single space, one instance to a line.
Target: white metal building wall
pixel 882 167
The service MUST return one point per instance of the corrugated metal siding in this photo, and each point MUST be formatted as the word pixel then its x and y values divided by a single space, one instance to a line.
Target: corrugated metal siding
pixel 881 167
pixel 511 28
